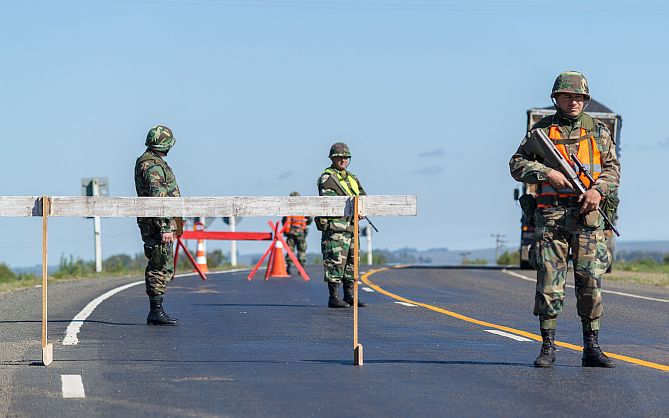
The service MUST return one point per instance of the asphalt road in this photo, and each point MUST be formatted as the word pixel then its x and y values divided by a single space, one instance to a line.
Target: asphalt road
pixel 272 348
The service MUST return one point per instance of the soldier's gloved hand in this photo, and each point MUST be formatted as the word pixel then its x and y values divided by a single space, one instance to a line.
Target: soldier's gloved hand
pixel 590 200
pixel 168 237
pixel 558 180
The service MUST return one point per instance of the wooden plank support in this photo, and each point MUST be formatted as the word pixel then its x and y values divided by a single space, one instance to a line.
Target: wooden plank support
pixel 47 348
pixel 357 347
pixel 77 206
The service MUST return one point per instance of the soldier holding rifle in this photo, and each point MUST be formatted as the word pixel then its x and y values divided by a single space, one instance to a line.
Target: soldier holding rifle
pixel 568 219
pixel 154 178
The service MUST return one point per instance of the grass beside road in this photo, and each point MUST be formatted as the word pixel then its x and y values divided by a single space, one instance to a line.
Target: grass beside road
pixel 114 266
pixel 24 281
pixel 645 272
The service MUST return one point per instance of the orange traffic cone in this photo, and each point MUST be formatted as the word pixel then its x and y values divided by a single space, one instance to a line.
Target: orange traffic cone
pixel 278 267
pixel 201 257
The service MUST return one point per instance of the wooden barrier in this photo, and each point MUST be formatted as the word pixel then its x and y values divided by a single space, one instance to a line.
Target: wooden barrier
pixel 116 207
pixel 65 206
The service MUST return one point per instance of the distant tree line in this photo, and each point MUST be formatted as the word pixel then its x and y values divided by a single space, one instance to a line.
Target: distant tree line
pixel 631 256
pixel 119 264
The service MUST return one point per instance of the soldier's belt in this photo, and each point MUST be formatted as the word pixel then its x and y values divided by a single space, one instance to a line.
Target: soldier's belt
pixel 551 201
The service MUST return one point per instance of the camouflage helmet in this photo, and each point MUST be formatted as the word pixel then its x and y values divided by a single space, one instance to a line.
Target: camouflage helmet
pixel 160 138
pixel 294 193
pixel 339 149
pixel 571 82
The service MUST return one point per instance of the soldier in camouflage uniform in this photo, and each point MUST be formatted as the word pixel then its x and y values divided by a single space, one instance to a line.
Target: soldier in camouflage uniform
pixel 338 232
pixel 154 178
pixel 566 221
pixel 296 229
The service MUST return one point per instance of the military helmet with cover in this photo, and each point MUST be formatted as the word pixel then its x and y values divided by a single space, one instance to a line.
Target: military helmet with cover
pixel 339 149
pixel 294 193
pixel 160 138
pixel 571 82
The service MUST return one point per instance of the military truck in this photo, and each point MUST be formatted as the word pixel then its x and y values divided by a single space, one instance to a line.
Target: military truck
pixel 598 111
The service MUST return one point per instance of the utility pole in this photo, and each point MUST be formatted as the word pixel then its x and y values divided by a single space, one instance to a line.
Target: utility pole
pixel 499 243
pixel 94 187
pixel 97 231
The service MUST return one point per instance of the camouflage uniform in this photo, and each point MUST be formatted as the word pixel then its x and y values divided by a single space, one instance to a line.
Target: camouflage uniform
pixel 560 228
pixel 296 236
pixel 338 232
pixel 154 178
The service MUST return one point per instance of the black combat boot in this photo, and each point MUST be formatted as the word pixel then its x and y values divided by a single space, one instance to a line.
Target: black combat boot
pixel 334 301
pixel 348 295
pixel 547 355
pixel 157 316
pixel 592 354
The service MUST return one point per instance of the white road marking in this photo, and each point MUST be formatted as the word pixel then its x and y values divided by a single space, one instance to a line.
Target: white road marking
pixel 75 326
pixel 506 334
pixel 73 387
pixel 629 295
pixel 368 289
pixel 76 323
pixel 405 304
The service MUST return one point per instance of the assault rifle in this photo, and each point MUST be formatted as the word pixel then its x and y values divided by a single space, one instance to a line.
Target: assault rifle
pixel 554 156
pixel 370 223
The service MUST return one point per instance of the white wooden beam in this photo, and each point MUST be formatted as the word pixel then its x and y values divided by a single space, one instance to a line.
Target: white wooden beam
pixel 64 206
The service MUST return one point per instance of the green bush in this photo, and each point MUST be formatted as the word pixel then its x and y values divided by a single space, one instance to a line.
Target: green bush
pixel 377 258
pixel 509 258
pixel 475 262
pixel 6 274
pixel 69 267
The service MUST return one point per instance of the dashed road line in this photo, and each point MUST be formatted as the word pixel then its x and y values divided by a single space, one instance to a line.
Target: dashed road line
pixel 72 385
pixel 507 335
pixel 633 360
pixel 405 304
pixel 629 295
pixel 367 289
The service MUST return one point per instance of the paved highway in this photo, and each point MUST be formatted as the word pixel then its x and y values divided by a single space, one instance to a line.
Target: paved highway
pixel 437 342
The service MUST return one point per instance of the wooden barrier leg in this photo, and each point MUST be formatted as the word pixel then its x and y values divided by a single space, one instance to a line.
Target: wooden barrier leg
pixel 357 347
pixel 47 349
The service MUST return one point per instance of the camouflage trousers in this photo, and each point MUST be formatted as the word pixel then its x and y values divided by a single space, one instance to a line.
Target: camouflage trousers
pixel 553 243
pixel 338 259
pixel 298 244
pixel 160 266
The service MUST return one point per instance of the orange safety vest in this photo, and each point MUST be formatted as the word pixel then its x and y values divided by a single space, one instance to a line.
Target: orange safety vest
pixel 589 155
pixel 297 222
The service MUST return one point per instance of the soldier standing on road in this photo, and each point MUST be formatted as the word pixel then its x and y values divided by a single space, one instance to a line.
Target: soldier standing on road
pixel 338 232
pixel 154 178
pixel 566 221
pixel 296 229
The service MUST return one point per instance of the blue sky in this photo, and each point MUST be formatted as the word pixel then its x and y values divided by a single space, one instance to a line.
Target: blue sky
pixel 430 95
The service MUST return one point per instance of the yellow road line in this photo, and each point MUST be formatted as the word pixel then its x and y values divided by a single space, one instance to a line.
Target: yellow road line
pixel 365 279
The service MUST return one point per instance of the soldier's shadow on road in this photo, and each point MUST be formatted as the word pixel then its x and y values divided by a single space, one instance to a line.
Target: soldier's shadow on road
pixel 271 305
pixel 441 362
pixel 66 321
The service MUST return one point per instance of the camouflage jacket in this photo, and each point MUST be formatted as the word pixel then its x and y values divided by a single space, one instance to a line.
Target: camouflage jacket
pixel 328 185
pixel 527 164
pixel 154 178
